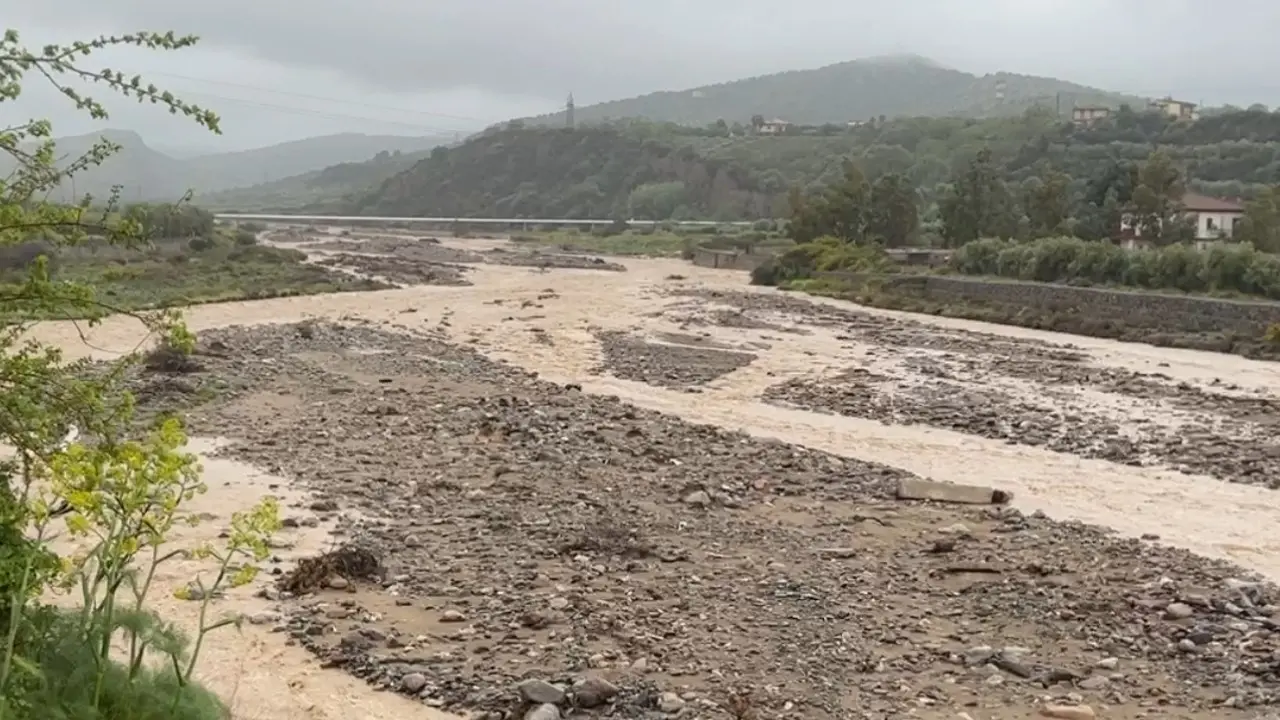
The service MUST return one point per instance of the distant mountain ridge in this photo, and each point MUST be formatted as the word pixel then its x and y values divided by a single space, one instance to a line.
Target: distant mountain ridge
pixel 854 91
pixel 145 174
pixel 320 191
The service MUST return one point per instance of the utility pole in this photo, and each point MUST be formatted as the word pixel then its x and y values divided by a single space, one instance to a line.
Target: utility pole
pixel 568 112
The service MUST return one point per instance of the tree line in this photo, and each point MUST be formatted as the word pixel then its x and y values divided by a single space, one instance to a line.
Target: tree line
pixel 660 171
pixel 978 202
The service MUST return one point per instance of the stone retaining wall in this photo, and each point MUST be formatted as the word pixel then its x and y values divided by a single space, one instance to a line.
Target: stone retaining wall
pixel 729 259
pixel 1172 313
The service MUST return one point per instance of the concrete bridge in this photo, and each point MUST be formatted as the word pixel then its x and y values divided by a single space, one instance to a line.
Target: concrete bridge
pixel 523 223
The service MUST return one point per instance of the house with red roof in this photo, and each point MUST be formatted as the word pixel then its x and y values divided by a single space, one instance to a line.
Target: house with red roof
pixel 1214 219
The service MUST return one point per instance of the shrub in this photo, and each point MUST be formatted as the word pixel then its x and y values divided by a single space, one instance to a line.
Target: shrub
pixel 245 237
pixel 766 273
pixel 70 686
pixel 979 257
pixel 1224 267
pixel 825 254
pixel 201 244
pixel 20 256
pixel 59 664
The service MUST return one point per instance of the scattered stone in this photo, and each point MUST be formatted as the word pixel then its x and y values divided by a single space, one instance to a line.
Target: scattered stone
pixel 697 498
pixel 1068 712
pixel 1094 682
pixel 920 489
pixel 838 553
pixel 546 711
pixel 540 691
pixel 594 691
pixel 452 616
pixel 670 703
pixel 413 683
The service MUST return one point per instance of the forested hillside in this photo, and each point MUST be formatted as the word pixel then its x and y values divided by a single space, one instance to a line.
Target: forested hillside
pixel 321 191
pixel 589 172
pixel 852 91
pixel 660 171
pixel 1231 154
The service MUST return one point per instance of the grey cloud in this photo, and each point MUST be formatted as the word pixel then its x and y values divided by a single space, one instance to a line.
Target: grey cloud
pixel 607 49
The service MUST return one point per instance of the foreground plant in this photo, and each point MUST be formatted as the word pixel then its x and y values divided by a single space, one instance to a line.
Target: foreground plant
pixel 76 466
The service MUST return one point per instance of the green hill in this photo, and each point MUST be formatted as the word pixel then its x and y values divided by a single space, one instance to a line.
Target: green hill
pixel 321 191
pixel 589 172
pixel 852 92
pixel 664 171
pixel 145 174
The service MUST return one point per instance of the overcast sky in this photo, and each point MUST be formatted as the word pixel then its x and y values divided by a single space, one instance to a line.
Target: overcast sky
pixel 285 69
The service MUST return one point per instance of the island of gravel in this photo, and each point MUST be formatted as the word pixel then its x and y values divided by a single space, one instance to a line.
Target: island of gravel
pixel 683 363
pixel 507 544
pixel 425 261
pixel 1020 391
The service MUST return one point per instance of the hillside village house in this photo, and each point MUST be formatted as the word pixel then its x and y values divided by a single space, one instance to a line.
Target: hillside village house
pixel 1176 108
pixel 775 127
pixel 1089 114
pixel 1214 220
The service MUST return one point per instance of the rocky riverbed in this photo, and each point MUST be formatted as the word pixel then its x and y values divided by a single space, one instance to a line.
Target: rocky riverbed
pixel 1233 451
pixel 900 371
pixel 401 271
pixel 516 546
pixel 681 361
pixel 431 250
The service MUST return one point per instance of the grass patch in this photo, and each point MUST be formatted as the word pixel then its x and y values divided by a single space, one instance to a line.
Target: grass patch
pixel 824 286
pixel 181 272
pixel 649 242
pixel 657 244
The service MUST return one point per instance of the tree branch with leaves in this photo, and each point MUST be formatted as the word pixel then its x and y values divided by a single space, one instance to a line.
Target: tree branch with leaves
pixel 77 463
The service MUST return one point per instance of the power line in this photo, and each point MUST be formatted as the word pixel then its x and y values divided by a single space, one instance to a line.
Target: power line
pixel 319 97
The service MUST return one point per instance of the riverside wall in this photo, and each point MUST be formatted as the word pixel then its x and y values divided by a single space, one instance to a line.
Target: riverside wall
pixel 1157 311
pixel 728 259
